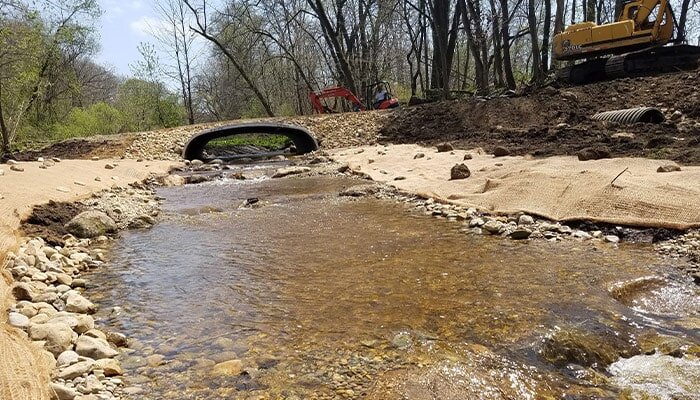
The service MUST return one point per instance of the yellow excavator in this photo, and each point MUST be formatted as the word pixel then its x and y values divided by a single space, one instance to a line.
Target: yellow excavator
pixel 633 45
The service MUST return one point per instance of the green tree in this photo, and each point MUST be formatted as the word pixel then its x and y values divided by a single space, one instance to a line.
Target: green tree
pixel 97 119
pixel 147 105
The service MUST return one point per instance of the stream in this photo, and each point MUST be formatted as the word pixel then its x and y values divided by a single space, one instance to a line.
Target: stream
pixel 302 294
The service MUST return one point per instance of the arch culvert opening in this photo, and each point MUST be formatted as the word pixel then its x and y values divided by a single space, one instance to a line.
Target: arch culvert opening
pixel 245 141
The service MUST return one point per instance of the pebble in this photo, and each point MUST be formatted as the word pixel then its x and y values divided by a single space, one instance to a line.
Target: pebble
pixel 16 168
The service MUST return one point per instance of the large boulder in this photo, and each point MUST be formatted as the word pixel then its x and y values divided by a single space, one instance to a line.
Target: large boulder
pixel 95 348
pixel 90 224
pixel 57 336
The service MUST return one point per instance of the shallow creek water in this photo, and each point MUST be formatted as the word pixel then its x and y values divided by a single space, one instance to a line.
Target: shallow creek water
pixel 322 296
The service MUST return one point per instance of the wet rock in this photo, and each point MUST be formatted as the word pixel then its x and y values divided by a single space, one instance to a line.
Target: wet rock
pixel 110 366
pixel 90 224
pixel 142 222
pixel 402 340
pixel 155 360
pixel 228 368
pixel 96 348
pixel 520 234
pixel 459 171
pixel 591 153
pixel 57 336
pixel 444 147
pixel 493 227
pixel 62 392
pixel 595 349
pixel 117 339
pixel 66 358
pixel 361 190
pixel 282 172
pixel 501 151
pixel 78 369
pixel 668 168
pixel 79 304
pixel 173 180
pixel 194 179
pixel 656 377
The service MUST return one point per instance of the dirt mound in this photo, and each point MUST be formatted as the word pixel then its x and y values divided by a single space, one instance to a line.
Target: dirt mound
pixel 48 220
pixel 557 121
pixel 83 148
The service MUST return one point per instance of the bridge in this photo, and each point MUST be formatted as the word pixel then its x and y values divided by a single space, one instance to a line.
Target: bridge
pixel 302 138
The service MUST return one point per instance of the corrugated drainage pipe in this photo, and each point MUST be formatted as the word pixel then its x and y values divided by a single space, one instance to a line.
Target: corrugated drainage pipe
pixel 632 115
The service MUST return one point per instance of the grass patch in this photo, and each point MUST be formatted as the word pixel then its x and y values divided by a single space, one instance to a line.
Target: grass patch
pixel 271 142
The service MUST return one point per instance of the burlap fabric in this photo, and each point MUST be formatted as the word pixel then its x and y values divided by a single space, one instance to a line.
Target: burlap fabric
pixel 557 188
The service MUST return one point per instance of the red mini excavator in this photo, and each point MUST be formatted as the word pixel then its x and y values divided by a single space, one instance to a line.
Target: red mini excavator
pixel 385 100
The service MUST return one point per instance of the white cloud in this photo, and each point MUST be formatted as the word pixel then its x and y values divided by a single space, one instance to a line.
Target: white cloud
pixel 146 26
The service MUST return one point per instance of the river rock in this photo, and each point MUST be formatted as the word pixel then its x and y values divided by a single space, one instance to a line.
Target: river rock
pixel 282 172
pixel 67 357
pixel 444 147
pixel 92 385
pixel 611 238
pixel 62 392
pixel 593 153
pixel 228 368
pixel 18 320
pixel 22 291
pixel 117 339
pixel 493 227
pixel 79 304
pixel 57 336
pixel 525 220
pixel 142 222
pixel 110 366
pixel 419 155
pixel 459 171
pixel 500 151
pixel 520 234
pixel 94 348
pixel 668 168
pixel 78 369
pixel 16 168
pixel 173 180
pixel 361 190
pixel 90 224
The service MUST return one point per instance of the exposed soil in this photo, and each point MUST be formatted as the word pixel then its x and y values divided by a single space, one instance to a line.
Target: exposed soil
pixel 82 148
pixel 557 121
pixel 48 220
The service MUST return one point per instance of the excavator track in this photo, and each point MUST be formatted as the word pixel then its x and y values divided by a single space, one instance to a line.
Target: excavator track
pixel 651 61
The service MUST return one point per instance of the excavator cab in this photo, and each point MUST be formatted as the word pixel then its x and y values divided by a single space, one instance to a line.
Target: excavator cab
pixel 379 95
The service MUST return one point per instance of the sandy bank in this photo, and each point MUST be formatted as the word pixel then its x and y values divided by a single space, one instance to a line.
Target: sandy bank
pixel 558 188
pixel 23 375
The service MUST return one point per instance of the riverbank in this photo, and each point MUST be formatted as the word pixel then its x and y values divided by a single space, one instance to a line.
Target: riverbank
pixel 25 372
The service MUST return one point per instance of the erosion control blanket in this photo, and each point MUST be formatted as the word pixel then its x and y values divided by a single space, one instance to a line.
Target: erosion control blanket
pixel 557 188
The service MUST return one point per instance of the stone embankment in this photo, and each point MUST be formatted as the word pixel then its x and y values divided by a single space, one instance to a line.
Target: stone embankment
pixel 49 284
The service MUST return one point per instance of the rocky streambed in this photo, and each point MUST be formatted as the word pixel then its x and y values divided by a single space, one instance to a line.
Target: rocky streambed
pixel 319 284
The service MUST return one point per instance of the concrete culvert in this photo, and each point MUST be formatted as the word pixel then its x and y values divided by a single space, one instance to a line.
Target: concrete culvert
pixel 632 115
pixel 303 141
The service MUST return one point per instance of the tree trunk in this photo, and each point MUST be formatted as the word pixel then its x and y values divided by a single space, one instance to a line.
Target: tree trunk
pixel 505 29
pixel 537 75
pixel 546 30
pixel 3 127
pixel 497 46
pixel 590 10
pixel 682 21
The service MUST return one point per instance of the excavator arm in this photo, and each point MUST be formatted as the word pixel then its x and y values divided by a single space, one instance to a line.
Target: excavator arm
pixel 632 45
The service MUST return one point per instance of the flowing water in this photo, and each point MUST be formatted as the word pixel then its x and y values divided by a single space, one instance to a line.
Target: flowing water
pixel 321 296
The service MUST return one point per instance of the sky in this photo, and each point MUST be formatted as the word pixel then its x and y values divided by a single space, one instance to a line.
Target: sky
pixel 123 25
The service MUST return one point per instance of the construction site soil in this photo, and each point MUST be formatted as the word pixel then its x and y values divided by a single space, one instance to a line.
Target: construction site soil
pixel 553 121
